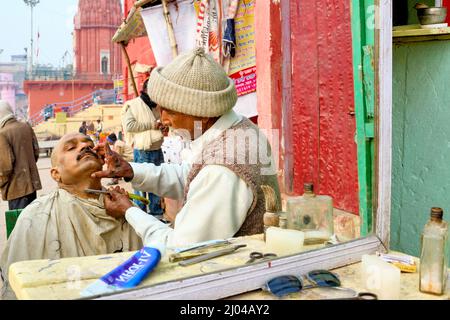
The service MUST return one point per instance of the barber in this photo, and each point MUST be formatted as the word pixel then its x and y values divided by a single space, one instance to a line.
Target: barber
pixel 222 194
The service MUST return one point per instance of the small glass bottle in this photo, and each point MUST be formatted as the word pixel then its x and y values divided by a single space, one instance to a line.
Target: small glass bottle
pixel 312 214
pixel 270 219
pixel 283 221
pixel 434 254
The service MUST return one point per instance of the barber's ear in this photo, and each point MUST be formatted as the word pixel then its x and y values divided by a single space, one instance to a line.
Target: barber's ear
pixel 205 122
pixel 54 172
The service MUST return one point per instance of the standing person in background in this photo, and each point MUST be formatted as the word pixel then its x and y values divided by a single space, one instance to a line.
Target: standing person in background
pixel 83 128
pixel 90 127
pixel 121 148
pixel 142 130
pixel 19 176
pixel 99 128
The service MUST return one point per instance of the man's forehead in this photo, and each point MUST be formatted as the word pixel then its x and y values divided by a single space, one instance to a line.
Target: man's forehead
pixel 74 138
pixel 71 138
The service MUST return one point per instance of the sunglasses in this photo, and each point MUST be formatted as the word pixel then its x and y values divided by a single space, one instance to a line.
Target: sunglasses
pixel 283 285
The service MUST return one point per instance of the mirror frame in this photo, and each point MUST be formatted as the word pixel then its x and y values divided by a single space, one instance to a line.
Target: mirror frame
pixel 239 280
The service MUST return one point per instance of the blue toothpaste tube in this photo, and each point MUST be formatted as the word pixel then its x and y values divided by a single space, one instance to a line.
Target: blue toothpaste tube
pixel 129 274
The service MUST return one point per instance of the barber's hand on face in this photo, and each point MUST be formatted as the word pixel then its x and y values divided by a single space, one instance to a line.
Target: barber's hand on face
pixel 163 128
pixel 117 202
pixel 117 167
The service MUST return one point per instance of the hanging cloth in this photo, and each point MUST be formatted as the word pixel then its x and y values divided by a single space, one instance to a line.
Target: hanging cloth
pixel 229 37
pixel 208 28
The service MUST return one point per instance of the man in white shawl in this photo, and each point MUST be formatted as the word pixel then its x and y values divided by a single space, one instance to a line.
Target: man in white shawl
pixel 68 222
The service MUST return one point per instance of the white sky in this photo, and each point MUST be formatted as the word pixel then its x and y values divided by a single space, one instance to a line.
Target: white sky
pixel 53 19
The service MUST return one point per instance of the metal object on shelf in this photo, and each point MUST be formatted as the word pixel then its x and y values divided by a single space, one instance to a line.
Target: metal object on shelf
pixel 435 15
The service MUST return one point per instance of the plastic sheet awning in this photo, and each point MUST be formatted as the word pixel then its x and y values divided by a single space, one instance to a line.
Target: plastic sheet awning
pixel 133 26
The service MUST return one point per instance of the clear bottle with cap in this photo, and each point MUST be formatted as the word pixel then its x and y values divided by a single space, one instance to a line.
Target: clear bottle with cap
pixel 312 214
pixel 283 221
pixel 434 254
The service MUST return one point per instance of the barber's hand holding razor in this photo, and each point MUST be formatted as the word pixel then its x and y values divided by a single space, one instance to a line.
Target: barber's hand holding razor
pixel 117 167
pixel 117 202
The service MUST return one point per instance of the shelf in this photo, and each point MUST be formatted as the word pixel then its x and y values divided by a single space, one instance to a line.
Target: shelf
pixel 414 33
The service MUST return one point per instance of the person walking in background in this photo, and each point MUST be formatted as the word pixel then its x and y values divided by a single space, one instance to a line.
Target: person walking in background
pixel 19 176
pixel 83 128
pixel 99 128
pixel 121 148
pixel 142 130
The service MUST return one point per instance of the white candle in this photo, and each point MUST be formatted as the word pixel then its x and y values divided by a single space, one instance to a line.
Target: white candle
pixel 380 277
pixel 284 241
pixel 317 234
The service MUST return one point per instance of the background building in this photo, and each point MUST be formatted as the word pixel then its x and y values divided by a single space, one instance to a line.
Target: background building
pixel 97 61
pixel 12 75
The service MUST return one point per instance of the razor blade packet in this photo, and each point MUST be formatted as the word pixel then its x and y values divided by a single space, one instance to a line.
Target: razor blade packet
pixel 404 262
pixel 128 274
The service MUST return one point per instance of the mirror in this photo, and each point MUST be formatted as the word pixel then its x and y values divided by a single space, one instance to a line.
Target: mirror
pixel 322 132
pixel 319 116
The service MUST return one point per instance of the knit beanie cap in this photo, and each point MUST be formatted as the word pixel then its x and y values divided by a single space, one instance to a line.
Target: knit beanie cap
pixel 193 84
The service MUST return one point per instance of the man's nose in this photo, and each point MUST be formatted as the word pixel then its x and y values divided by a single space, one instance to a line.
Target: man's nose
pixel 165 120
pixel 85 145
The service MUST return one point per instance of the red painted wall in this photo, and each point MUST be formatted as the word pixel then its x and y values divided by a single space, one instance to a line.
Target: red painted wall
pixel 41 93
pixel 323 146
pixel 446 3
pixel 322 95
pixel 139 50
pixel 95 24
pixel 268 63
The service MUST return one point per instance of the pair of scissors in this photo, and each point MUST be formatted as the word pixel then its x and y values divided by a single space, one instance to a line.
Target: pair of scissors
pixel 259 255
pixel 360 296
pixel 355 295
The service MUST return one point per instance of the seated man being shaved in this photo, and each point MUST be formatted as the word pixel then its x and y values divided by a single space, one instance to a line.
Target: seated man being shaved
pixel 69 222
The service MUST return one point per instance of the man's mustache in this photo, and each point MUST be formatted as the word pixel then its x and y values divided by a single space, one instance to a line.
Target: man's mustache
pixel 87 151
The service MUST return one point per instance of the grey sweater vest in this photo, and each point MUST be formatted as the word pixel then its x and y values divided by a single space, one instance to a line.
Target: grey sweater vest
pixel 250 160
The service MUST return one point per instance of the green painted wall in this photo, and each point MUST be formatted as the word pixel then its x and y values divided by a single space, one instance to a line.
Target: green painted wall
pixel 421 139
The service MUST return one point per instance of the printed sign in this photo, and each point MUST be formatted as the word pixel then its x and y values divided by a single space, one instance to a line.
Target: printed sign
pixel 243 65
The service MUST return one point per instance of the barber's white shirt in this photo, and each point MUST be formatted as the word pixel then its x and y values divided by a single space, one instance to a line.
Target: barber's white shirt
pixel 217 202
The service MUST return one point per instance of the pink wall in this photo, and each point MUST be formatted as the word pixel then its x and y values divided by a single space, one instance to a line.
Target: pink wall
pixel 8 89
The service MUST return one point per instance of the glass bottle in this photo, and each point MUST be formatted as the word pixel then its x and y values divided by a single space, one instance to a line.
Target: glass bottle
pixel 434 254
pixel 283 221
pixel 270 219
pixel 312 214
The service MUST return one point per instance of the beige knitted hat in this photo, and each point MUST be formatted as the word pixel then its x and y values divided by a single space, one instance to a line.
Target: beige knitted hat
pixel 194 84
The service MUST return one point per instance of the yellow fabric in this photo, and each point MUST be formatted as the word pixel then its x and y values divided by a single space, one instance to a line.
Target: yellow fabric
pixel 60 225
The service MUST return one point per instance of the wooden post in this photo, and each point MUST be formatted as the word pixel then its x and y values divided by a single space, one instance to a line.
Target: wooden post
pixel 127 59
pixel 269 60
pixel 173 41
pixel 363 42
